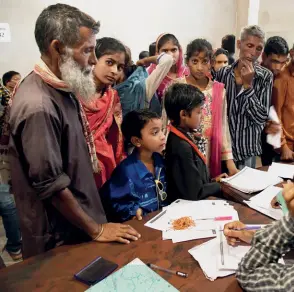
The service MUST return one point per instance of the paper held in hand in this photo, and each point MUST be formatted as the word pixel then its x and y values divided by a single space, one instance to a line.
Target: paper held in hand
pixel 282 170
pixel 262 202
pixel 274 139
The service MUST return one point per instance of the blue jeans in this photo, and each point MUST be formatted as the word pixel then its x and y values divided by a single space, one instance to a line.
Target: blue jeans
pixel 250 162
pixel 10 220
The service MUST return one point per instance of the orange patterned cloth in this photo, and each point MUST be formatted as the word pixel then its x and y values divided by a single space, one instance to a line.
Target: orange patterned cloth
pixel 104 116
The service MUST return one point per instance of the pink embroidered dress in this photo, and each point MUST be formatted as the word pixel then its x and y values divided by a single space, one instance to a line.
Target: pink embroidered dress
pixel 214 127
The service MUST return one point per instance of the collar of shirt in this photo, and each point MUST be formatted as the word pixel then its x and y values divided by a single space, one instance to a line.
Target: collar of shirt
pixel 257 68
pixel 142 169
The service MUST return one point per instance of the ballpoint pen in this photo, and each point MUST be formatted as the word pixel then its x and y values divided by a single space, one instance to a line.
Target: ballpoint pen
pixel 221 246
pixel 181 274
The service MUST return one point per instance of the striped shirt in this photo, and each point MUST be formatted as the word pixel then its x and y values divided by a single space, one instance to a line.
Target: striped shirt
pixel 247 110
pixel 259 270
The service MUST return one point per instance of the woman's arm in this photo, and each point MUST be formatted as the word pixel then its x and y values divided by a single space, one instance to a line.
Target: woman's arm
pixel 164 63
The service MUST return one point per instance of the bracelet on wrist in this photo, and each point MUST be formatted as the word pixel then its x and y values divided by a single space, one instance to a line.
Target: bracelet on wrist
pixel 100 233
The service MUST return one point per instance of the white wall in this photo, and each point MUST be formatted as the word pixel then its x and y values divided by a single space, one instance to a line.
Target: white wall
pixel 276 18
pixel 137 23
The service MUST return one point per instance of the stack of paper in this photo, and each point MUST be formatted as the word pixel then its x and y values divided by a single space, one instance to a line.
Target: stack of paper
pixel 282 170
pixel 262 203
pixel 135 276
pixel 250 180
pixel 202 212
pixel 208 256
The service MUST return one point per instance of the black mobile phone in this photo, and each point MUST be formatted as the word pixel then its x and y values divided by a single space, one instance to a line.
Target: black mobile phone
pixel 96 271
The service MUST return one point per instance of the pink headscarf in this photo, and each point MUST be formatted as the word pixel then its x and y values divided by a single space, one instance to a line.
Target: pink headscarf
pixel 182 70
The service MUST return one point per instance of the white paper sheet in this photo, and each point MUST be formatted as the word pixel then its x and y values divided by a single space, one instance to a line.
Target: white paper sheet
pixel 203 209
pixel 274 139
pixel 250 180
pixel 276 214
pixel 159 222
pixel 206 255
pixel 282 170
pixel 232 254
pixel 262 203
pixel 186 235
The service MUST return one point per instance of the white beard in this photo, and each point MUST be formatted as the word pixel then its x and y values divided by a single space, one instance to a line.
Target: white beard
pixel 80 80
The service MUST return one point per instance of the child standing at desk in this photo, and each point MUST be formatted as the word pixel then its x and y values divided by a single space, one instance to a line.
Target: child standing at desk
pixel 137 186
pixel 187 174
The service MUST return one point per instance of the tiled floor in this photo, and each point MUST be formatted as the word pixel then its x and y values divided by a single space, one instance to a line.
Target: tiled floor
pixel 5 256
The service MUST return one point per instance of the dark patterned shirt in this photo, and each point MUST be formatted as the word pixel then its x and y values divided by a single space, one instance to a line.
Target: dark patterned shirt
pixel 259 270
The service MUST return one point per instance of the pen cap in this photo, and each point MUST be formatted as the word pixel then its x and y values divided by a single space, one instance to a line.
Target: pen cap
pixel 182 274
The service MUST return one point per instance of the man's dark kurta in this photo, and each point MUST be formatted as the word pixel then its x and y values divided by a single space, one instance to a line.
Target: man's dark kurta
pixel 48 153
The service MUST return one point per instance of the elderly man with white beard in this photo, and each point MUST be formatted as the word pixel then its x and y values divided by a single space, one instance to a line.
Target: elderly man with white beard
pixel 52 178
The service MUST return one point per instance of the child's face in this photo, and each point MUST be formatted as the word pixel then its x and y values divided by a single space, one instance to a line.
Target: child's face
pixel 193 120
pixel 199 65
pixel 152 137
pixel 171 49
pixel 109 68
pixel 220 61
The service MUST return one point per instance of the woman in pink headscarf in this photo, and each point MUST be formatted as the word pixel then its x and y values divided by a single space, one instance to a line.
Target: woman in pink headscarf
pixel 168 43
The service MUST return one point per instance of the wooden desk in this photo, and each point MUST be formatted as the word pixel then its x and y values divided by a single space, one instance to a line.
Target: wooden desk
pixel 54 270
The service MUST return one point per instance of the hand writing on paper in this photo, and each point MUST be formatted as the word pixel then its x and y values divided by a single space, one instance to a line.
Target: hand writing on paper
pixel 247 73
pixel 233 234
pixel 139 214
pixel 118 232
pixel 288 194
pixel 272 127
pixel 218 178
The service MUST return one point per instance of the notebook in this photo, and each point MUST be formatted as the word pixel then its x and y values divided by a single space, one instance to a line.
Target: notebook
pixel 250 180
pixel 133 277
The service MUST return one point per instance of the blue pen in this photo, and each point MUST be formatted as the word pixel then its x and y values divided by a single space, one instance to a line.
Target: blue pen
pixel 250 227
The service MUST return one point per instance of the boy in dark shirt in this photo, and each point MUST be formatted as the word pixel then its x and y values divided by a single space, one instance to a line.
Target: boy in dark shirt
pixel 187 174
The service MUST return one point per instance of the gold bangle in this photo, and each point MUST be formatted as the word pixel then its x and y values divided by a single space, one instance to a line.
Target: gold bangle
pixel 100 233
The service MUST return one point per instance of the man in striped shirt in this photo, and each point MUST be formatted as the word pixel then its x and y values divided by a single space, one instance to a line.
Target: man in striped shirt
pixel 249 90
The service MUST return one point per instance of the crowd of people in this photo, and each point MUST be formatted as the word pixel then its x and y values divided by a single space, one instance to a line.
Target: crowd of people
pixel 94 140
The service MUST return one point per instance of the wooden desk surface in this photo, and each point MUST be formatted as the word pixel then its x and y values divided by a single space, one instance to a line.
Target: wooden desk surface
pixel 54 270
